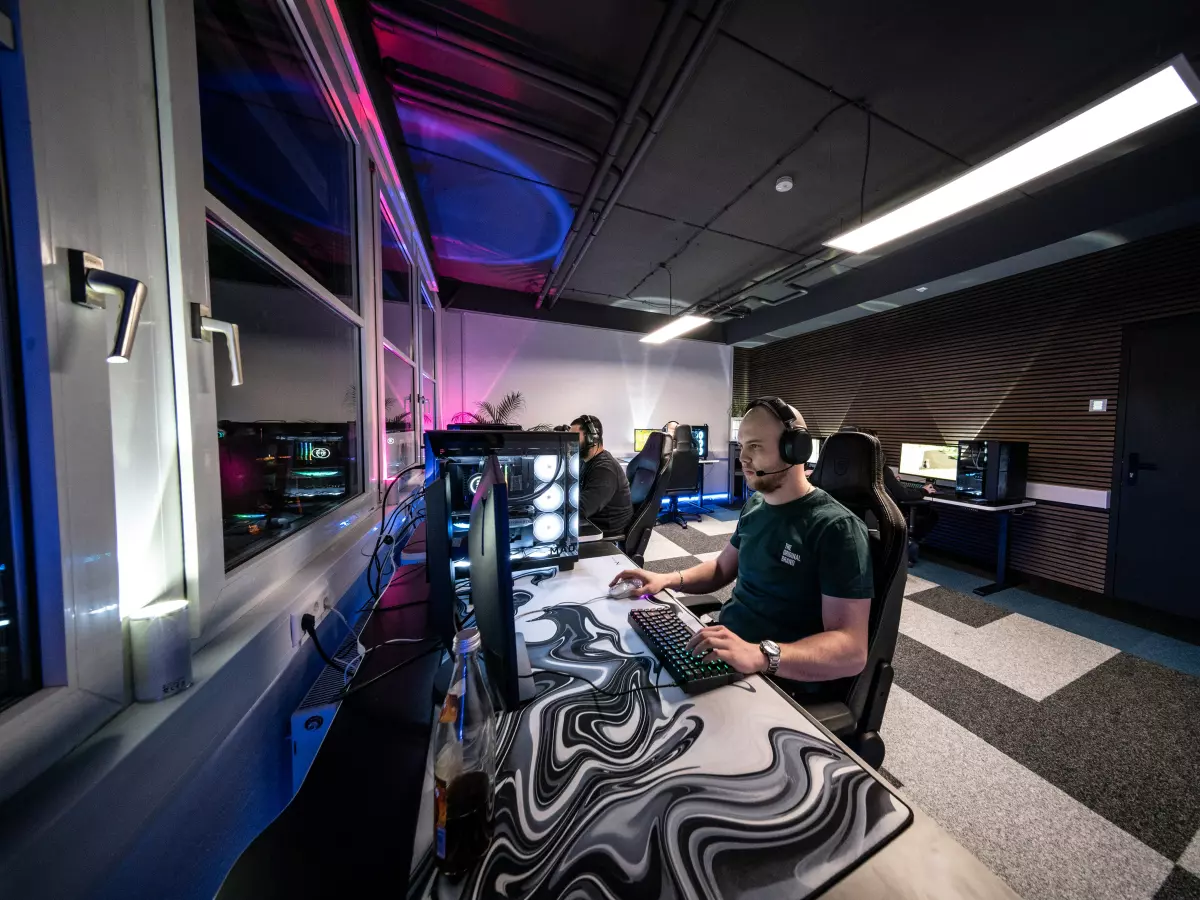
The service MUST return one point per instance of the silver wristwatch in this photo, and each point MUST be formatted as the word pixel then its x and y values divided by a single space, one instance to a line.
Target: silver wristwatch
pixel 770 650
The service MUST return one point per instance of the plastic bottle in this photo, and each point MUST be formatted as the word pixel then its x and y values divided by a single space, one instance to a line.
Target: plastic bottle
pixel 464 762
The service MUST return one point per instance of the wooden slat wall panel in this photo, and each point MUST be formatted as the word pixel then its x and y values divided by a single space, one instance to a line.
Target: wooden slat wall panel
pixel 741 375
pixel 1016 359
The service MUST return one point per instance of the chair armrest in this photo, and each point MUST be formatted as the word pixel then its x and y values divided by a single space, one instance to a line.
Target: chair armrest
pixel 833 715
pixel 701 604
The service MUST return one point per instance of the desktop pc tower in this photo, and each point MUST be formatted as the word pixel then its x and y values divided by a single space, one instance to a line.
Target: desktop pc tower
pixel 541 475
pixel 992 471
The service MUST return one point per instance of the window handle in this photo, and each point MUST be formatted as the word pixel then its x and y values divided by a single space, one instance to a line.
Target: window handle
pixel 204 327
pixel 91 286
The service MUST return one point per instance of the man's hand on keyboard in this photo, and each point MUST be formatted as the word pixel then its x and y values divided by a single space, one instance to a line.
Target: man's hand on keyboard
pixel 722 643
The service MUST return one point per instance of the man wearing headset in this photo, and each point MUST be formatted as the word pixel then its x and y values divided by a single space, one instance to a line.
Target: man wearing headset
pixel 799 559
pixel 603 488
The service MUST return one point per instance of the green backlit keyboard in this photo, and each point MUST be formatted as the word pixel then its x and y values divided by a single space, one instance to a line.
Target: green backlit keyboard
pixel 666 635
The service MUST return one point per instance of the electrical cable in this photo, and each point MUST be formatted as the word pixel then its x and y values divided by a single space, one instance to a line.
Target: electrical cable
pixel 531 612
pixel 354 689
pixel 308 624
pixel 862 189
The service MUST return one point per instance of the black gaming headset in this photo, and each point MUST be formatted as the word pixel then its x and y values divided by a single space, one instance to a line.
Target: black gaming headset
pixel 795 444
pixel 593 433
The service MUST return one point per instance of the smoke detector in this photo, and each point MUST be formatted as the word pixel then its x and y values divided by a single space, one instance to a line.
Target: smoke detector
pixel 783 183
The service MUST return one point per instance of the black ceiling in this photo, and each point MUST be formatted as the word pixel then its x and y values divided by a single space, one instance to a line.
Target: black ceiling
pixel 501 152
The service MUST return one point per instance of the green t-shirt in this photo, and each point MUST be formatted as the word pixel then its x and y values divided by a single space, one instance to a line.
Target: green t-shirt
pixel 788 556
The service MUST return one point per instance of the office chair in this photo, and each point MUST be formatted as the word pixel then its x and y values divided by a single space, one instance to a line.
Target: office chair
pixel 851 470
pixel 648 474
pixel 685 476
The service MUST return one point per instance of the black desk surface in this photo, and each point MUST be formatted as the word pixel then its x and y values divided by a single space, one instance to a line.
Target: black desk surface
pixel 653 793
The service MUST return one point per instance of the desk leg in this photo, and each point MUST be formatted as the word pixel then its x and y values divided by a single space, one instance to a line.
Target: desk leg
pixel 700 497
pixel 1002 581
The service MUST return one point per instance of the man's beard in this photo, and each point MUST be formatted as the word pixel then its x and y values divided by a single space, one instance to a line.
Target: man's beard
pixel 765 484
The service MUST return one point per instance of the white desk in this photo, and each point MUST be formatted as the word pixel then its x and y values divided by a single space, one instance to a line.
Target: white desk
pixel 732 793
pixel 1004 513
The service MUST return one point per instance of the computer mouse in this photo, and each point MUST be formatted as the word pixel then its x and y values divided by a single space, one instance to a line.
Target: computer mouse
pixel 622 590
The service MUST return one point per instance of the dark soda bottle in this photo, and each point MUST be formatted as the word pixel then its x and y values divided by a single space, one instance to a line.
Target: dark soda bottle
pixel 464 763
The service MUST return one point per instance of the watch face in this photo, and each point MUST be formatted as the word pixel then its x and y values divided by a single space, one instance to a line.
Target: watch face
pixel 771 647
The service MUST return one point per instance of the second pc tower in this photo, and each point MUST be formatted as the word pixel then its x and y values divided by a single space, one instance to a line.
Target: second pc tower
pixel 992 470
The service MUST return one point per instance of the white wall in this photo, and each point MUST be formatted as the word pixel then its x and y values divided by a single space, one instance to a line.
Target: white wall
pixel 567 370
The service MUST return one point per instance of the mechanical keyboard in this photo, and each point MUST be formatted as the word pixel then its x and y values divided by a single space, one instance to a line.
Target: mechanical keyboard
pixel 666 635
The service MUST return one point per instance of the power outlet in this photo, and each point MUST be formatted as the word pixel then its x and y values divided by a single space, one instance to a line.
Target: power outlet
pixel 317 609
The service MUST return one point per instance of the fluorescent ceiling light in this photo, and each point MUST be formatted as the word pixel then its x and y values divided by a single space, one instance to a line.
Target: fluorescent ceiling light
pixel 673 329
pixel 1156 97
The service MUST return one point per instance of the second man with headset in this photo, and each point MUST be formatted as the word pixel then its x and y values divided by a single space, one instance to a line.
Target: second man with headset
pixel 603 488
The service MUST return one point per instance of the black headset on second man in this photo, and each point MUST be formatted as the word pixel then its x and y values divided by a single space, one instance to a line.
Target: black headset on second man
pixel 592 432
pixel 795 444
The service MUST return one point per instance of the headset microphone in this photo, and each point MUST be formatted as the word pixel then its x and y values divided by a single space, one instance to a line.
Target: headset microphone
pixel 759 473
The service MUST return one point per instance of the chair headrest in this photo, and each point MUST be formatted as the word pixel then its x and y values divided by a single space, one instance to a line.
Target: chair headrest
pixel 650 457
pixel 850 466
pixel 683 438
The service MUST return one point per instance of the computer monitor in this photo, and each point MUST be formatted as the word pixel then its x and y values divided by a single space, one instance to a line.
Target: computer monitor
pixel 816 451
pixel 639 438
pixel 934 461
pixel 492 590
pixel 700 439
pixel 440 561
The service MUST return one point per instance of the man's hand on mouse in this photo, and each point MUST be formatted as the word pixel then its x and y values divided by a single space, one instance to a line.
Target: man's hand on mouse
pixel 652 582
pixel 719 641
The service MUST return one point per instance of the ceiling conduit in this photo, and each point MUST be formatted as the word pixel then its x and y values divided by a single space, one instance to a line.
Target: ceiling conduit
pixel 682 78
pixel 667 27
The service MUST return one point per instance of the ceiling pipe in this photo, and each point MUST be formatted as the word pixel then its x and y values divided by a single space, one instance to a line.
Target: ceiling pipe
pixel 667 27
pixel 566 87
pixel 554 141
pixel 682 78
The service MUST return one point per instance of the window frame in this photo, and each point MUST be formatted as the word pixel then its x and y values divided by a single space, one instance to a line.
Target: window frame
pixel 84 668
pixel 218 597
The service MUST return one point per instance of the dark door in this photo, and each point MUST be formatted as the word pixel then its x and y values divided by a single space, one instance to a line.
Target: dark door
pixel 1158 496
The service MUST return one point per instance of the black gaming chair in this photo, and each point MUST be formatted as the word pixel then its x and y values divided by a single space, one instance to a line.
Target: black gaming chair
pixel 850 468
pixel 648 473
pixel 684 476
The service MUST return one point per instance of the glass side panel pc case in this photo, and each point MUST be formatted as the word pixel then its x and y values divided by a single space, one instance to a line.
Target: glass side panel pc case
pixel 541 473
pixel 276 477
pixel 700 439
pixel 992 471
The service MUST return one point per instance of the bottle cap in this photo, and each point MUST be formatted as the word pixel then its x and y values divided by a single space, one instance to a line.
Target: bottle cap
pixel 467 640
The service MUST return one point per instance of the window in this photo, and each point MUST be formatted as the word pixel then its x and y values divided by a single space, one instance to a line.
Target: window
pixel 289 436
pixel 400 437
pixel 428 337
pixel 397 306
pixel 274 152
pixel 430 414
pixel 17 659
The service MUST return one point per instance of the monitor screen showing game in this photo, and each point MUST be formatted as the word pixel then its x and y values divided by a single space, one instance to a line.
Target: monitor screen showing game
pixel 639 438
pixel 936 461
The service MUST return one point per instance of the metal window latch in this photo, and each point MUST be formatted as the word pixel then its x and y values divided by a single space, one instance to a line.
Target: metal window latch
pixel 204 327
pixel 90 288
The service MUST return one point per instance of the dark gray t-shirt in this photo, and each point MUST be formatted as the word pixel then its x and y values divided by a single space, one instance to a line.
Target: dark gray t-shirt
pixel 788 556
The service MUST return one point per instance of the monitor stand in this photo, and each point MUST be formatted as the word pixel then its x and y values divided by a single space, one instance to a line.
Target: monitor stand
pixel 524 672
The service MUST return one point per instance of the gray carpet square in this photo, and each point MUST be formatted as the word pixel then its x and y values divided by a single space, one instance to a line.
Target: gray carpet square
pixel 680 563
pixel 968 610
pixel 691 540
pixel 1180 885
pixel 1121 739
pixel 663 566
